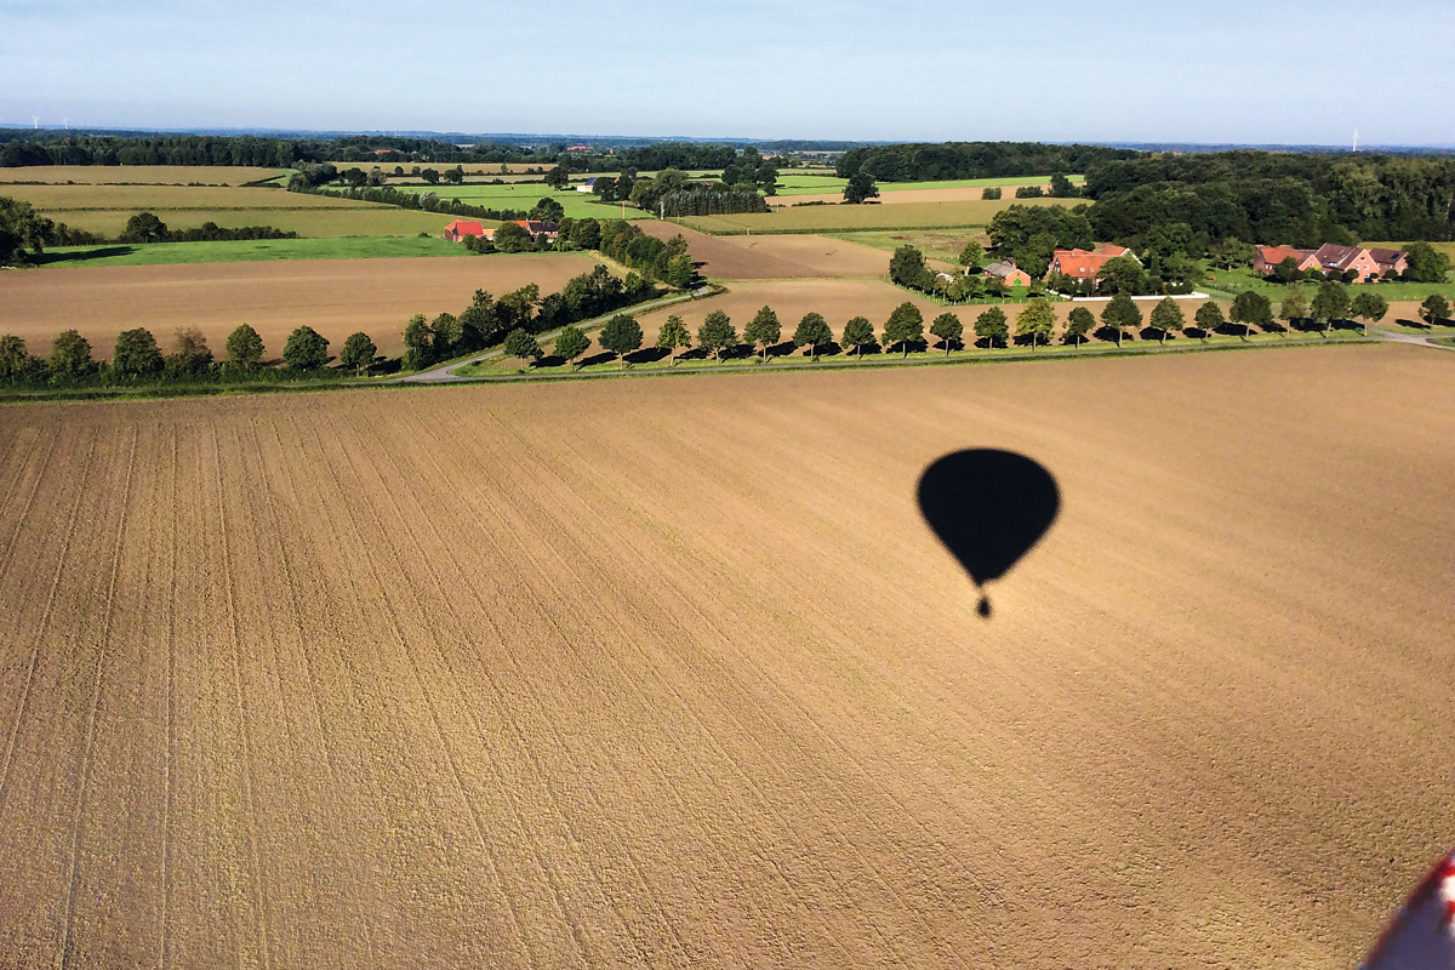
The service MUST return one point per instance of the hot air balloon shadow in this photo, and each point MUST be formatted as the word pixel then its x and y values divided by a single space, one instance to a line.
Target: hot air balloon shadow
pixel 988 507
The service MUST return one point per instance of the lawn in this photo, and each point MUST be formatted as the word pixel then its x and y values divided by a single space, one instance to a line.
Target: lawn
pixel 1232 281
pixel 523 196
pixel 840 218
pixel 252 250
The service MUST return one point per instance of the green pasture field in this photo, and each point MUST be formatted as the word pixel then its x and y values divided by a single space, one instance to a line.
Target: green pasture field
pixel 350 219
pixel 1448 248
pixel 252 250
pixel 135 175
pixel 1232 281
pixel 578 205
pixel 795 184
pixel 503 366
pixel 847 218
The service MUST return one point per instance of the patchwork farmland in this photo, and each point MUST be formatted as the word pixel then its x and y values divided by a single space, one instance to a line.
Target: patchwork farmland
pixel 672 674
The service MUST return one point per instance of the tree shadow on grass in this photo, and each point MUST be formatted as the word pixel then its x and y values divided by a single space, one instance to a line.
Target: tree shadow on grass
pixel 647 355
pixel 1109 334
pixel 601 358
pixel 101 252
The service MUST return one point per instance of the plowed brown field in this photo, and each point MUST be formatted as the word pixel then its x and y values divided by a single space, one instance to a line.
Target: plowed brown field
pixel 670 673
pixel 334 296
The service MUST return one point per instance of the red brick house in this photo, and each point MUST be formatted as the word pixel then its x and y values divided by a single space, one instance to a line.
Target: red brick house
pixel 459 229
pixel 1009 273
pixel 1082 264
pixel 533 226
pixel 1346 259
pixel 1267 258
pixel 1391 262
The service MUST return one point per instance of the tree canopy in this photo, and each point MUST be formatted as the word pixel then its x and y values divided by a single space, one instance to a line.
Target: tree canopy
pixel 858 333
pixel 245 347
pixel 1121 314
pixel 136 354
pixel 621 335
pixel 763 330
pixel 991 326
pixel 1079 323
pixel 904 327
pixel 717 334
pixel 306 349
pixel 812 331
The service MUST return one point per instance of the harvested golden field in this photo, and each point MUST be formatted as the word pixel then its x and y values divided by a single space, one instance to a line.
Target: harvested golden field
pixel 334 296
pixel 358 219
pixel 671 673
pixel 836 218
pixel 773 257
pixel 136 198
pixel 137 174
pixel 887 196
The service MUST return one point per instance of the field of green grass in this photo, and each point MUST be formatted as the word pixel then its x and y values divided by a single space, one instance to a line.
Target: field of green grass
pixel 578 205
pixel 252 250
pixel 846 218
pixel 796 184
pixel 1227 282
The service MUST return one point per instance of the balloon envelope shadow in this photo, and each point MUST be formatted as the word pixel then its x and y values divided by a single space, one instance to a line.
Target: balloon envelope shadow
pixel 988 507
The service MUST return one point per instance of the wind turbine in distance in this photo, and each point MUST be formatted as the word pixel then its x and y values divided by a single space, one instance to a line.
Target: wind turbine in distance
pixel 35 121
pixel 1356 141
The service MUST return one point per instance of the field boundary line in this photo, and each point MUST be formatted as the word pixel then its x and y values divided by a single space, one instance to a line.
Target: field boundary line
pixel 82 790
pixel 164 950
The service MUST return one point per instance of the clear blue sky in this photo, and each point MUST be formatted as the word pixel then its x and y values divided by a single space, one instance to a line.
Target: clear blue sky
pixel 1280 71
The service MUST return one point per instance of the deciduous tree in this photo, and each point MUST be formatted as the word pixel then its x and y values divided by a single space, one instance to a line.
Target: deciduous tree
pixel 763 330
pixel 136 354
pixel 948 328
pixel 972 255
pixel 1434 309
pixel 523 346
pixel 1251 309
pixel 717 334
pixel 991 327
pixel 1167 317
pixel 418 343
pixel 907 266
pixel 306 349
pixel 1209 318
pixel 1121 314
pixel 13 357
pixel 1036 320
pixel 571 343
pixel 621 335
pixel 859 188
pixel 71 355
pixel 1079 324
pixel 904 326
pixel 858 333
pixel 672 336
pixel 358 352
pixel 1369 307
pixel 1294 305
pixel 192 356
pixel 812 331
pixel 1330 303
pixel 245 347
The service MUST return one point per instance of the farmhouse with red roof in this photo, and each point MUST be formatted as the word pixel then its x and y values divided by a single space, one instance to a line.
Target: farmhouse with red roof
pixel 1082 264
pixel 459 229
pixel 1267 258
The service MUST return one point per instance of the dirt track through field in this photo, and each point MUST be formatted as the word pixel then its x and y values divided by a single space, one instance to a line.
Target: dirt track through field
pixel 334 296
pixel 671 673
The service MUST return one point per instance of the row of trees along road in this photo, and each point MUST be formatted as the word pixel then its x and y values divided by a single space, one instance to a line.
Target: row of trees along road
pixel 904 329
pixel 138 358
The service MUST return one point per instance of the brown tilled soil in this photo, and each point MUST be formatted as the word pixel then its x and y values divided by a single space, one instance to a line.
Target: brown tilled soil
pixel 334 296
pixel 748 257
pixel 671 673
